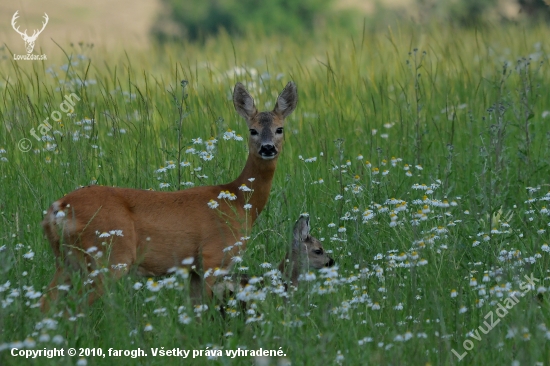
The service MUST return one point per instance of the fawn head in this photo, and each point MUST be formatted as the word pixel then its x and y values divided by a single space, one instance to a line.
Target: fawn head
pixel 309 249
pixel 266 128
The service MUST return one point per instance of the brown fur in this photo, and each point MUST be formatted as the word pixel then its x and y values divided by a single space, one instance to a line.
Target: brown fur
pixel 160 229
pixel 306 253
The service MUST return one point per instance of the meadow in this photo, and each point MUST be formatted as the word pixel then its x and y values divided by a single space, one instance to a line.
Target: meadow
pixel 421 155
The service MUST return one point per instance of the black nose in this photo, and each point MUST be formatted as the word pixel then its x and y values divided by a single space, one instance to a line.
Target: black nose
pixel 330 263
pixel 268 150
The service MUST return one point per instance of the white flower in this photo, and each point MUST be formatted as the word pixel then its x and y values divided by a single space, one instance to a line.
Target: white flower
pixel 188 261
pixel 213 204
pixel 310 276
pixel 244 188
pixel 248 206
pixel 148 327
pixel 185 319
pixel 153 286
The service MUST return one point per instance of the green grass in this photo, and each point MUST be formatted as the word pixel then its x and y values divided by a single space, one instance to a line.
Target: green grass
pixel 478 129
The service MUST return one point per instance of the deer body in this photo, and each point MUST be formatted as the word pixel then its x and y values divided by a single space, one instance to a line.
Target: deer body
pixel 155 231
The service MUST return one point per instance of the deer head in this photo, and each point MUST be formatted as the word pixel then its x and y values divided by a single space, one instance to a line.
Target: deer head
pixel 29 40
pixel 307 249
pixel 266 128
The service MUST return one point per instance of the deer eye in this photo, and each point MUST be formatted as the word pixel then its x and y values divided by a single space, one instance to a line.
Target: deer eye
pixel 253 132
pixel 318 251
pixel 279 130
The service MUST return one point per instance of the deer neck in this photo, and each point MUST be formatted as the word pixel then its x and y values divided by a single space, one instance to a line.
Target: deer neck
pixel 291 266
pixel 257 175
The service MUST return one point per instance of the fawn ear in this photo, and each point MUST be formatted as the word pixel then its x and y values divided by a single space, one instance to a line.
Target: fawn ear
pixel 301 230
pixel 243 102
pixel 287 100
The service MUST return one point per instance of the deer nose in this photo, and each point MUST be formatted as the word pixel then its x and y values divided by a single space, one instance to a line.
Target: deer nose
pixel 330 263
pixel 268 150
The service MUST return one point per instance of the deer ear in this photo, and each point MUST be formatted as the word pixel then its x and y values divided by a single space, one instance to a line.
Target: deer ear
pixel 301 230
pixel 287 100
pixel 243 102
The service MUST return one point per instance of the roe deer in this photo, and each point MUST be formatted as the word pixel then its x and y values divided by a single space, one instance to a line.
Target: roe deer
pixel 156 231
pixel 306 253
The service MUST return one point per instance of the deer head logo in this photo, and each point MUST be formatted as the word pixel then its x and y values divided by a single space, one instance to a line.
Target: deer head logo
pixel 29 40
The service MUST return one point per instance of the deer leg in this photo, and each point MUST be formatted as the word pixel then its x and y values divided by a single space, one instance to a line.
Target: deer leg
pixel 51 295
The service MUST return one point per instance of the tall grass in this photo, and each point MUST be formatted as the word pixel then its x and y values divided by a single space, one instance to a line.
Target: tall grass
pixel 379 115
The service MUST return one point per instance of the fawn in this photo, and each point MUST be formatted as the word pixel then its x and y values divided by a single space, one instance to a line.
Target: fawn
pixel 306 253
pixel 157 231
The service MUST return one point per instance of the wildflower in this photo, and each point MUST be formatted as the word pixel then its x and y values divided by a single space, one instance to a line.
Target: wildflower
pixel 207 157
pixel 185 319
pixel 188 261
pixel 244 188
pixel 376 306
pixel 310 276
pixel 247 206
pixel 164 185
pixel 153 286
pixel 148 327
pixel 339 357
pixel 228 135
pixel 454 293
pixel 213 204
pixel 463 309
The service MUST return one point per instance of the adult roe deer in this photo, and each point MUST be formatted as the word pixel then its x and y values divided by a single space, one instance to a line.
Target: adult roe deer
pixel 157 230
